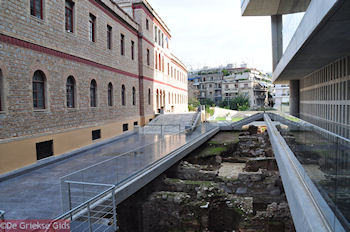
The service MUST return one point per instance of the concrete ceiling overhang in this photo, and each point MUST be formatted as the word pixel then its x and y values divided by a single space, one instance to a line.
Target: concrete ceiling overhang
pixel 328 42
pixel 273 7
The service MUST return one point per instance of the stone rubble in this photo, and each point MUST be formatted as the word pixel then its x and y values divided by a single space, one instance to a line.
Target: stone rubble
pixel 202 196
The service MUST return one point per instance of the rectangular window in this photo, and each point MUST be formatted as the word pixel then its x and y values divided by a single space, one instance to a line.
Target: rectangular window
pixel 155 34
pixel 148 58
pixel 147 24
pixel 162 40
pixel 69 15
pixel 159 42
pixel 125 127
pixel 132 49
pixel 109 37
pixel 44 149
pixel 92 29
pixel 122 50
pixel 96 134
pixel 36 8
pixel 136 123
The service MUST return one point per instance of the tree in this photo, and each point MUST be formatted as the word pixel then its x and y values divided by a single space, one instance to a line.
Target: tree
pixel 225 72
pixel 207 102
pixel 193 104
pixel 240 102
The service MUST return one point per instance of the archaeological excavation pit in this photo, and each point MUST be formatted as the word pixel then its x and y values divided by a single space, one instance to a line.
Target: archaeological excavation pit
pixel 230 183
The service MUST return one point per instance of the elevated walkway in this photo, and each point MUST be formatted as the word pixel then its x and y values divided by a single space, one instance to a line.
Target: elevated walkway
pixel 89 196
pixel 169 123
pixel 120 167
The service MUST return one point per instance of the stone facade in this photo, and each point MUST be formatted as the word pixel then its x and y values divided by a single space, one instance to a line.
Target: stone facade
pixel 29 43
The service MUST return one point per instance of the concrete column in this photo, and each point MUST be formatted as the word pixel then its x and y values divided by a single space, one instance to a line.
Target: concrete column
pixel 294 98
pixel 277 42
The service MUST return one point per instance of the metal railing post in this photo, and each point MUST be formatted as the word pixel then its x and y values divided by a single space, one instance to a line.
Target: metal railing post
pixel 114 209
pixel 179 128
pixel 89 216
pixel 69 201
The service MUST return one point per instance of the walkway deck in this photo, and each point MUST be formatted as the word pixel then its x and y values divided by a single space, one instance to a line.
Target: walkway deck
pixel 37 194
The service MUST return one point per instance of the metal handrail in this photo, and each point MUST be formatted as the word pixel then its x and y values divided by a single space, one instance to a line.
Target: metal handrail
pixel 83 205
pixel 90 204
pixel 150 125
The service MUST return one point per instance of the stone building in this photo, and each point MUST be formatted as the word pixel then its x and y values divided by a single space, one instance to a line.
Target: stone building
pixel 310 47
pixel 74 72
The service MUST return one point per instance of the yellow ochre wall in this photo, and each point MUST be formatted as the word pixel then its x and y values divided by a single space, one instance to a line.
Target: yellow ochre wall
pixel 22 152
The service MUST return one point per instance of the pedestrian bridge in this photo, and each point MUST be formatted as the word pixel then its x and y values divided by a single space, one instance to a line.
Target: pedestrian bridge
pixel 315 183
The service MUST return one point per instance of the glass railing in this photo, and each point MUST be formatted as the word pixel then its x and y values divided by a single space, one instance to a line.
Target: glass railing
pixel 291 23
pixel 119 169
pixel 325 161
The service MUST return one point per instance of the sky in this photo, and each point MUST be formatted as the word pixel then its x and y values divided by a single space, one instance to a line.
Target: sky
pixel 212 33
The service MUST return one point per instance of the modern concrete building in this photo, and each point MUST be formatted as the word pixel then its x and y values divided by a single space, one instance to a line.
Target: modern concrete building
pixel 311 51
pixel 74 72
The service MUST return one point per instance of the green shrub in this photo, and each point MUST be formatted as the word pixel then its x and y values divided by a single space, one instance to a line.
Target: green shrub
pixel 241 102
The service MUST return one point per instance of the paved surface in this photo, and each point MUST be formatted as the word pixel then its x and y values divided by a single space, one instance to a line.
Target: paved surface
pixel 37 194
pixel 171 123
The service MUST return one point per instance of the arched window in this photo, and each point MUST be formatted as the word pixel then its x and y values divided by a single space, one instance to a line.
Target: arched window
pixel 110 94
pixel 39 90
pixel 93 93
pixel 70 89
pixel 149 96
pixel 133 96
pixel 123 95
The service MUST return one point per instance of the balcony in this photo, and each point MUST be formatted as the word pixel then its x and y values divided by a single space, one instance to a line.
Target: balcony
pixel 230 91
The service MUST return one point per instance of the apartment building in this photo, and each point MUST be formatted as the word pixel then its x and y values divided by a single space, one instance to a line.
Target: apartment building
pixel 208 82
pixel 280 94
pixel 74 72
pixel 249 82
pixel 222 84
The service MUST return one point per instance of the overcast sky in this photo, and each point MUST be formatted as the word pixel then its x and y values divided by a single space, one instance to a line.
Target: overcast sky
pixel 212 33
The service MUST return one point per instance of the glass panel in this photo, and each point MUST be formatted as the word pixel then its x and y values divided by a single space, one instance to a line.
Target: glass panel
pixel 38 8
pixel 290 24
pixel 326 161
